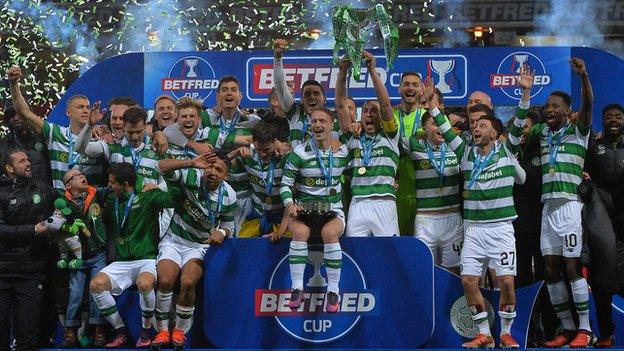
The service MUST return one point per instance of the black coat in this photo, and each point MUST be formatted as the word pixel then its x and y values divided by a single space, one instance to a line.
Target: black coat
pixel 22 205
pixel 600 247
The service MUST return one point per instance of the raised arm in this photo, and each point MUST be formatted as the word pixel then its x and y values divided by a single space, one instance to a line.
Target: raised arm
pixel 279 77
pixel 19 103
pixel 585 113
pixel 524 81
pixel 451 137
pixel 344 116
pixel 84 145
pixel 385 107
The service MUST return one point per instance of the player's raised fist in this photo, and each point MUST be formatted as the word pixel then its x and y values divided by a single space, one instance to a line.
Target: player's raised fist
pixel 279 46
pixel 14 73
pixel 578 66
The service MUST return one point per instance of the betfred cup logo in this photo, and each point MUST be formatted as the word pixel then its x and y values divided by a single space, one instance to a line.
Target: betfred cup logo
pixel 509 70
pixel 311 322
pixel 190 76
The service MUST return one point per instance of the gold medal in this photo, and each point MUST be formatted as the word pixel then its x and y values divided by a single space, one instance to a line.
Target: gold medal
pixel 332 192
pixel 268 199
pixel 121 241
pixel 551 172
pixel 465 193
pixel 361 170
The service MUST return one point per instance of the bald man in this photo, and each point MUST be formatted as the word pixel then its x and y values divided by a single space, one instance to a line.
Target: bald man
pixel 479 97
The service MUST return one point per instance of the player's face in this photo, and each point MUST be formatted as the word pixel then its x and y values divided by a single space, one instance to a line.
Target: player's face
pixel 528 124
pixel 265 150
pixel 135 133
pixel 229 95
pixel 484 133
pixel 188 119
pixel 20 165
pixel 411 89
pixel 116 119
pixel 16 124
pixel 216 172
pixel 613 122
pixel 164 112
pixel 432 132
pixel 322 125
pixel 473 118
pixel 556 111
pixel 371 122
pixel 352 109
pixel 312 97
pixel 479 97
pixel 115 185
pixel 78 110
pixel 75 181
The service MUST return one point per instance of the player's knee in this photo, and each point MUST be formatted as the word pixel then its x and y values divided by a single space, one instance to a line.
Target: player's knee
pixel 97 284
pixel 470 282
pixel 187 284
pixel 145 285
pixel 506 284
pixel 552 273
pixel 571 270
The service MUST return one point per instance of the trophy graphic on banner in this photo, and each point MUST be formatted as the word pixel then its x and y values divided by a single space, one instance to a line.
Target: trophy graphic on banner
pixel 441 68
pixel 352 25
pixel 191 63
pixel 521 59
pixel 315 258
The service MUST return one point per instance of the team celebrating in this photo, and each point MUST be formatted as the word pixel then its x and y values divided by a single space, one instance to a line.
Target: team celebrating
pixel 147 198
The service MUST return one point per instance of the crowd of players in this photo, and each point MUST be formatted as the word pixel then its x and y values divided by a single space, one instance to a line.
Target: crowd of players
pixel 147 198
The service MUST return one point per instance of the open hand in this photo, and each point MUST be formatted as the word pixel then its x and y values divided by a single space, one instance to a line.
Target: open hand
pixel 96 114
pixel 527 77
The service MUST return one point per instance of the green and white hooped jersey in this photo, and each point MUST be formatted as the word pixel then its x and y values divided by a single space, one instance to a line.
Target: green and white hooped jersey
pixel 378 178
pixel 490 198
pixel 242 126
pixel 300 127
pixel 303 172
pixel 145 160
pixel 258 173
pixel 569 162
pixel 58 141
pixel 435 193
pixel 192 220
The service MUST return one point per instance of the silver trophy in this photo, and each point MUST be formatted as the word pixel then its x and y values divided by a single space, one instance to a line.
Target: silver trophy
pixel 441 68
pixel 315 258
pixel 521 59
pixel 191 63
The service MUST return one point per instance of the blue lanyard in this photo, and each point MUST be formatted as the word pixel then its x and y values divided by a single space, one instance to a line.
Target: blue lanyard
pixel 327 171
pixel 268 178
pixel 438 167
pixel 232 127
pixel 212 215
pixel 136 161
pixel 478 165
pixel 120 225
pixel 304 129
pixel 553 150
pixel 414 124
pixel 367 148
pixel 74 157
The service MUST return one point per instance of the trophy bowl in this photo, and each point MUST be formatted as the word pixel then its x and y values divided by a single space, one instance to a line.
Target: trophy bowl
pixel 191 64
pixel 441 68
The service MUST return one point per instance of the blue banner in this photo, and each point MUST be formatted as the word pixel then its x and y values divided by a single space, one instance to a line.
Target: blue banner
pixel 456 72
pixel 386 289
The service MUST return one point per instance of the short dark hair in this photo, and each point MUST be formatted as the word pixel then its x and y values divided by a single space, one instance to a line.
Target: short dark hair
pixel 314 83
pixel 122 100
pixel 134 115
pixel 326 111
pixel 9 109
pixel 263 133
pixel 612 106
pixel 425 116
pixel 227 79
pixel 410 73
pixel 7 156
pixel 439 94
pixel 222 154
pixel 565 96
pixel 533 116
pixel 123 172
pixel 497 124
pixel 480 108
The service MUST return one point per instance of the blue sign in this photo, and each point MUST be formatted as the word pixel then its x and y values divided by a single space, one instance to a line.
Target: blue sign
pixel 385 283
pixel 456 72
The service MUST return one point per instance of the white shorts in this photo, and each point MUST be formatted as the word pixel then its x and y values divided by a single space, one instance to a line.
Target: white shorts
pixel 444 235
pixel 376 216
pixel 488 245
pixel 562 229
pixel 123 274
pixel 245 206
pixel 180 251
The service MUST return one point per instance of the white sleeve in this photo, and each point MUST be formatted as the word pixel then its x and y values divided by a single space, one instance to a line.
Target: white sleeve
pixel 174 135
pixel 86 147
pixel 283 93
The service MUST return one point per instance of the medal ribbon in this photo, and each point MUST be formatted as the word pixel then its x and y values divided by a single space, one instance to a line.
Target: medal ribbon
pixel 553 150
pixel 438 167
pixel 327 171
pixel 212 215
pixel 121 224
pixel 478 165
